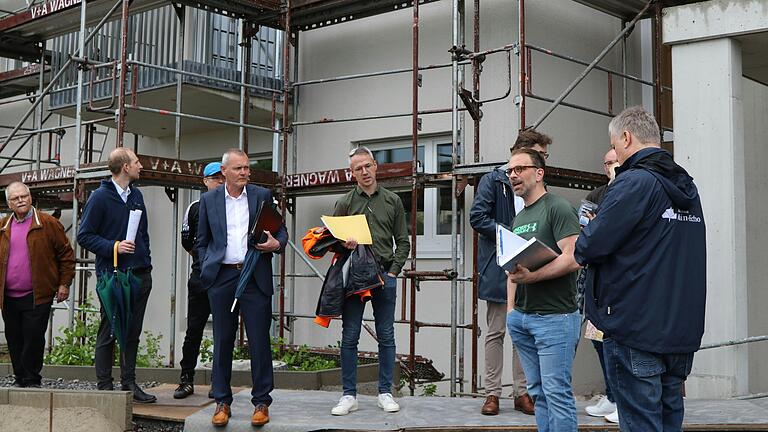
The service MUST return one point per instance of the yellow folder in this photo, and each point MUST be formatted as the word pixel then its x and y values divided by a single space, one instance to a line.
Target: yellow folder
pixel 349 227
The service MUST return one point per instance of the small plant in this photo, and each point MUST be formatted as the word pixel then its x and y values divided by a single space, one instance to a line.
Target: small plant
pixel 206 350
pixel 77 346
pixel 428 389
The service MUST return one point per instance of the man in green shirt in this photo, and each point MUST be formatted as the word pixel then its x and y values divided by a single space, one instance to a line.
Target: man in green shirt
pixel 386 219
pixel 542 318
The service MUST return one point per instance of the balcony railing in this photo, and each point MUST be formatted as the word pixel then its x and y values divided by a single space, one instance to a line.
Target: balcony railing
pixel 212 50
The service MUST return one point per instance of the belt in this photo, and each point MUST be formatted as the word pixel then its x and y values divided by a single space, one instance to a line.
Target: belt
pixel 238 266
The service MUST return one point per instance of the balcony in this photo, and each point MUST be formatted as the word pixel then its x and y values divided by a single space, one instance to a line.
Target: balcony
pixel 211 49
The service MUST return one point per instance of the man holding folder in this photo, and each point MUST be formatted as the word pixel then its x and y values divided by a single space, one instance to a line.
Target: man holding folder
pixel 386 220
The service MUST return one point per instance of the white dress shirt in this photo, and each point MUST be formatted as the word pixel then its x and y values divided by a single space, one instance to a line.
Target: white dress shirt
pixel 122 192
pixel 237 227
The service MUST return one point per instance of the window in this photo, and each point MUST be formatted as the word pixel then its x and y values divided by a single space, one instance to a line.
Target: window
pixel 433 216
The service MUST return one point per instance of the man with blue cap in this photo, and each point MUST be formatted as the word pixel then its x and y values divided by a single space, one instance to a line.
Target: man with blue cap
pixel 198 307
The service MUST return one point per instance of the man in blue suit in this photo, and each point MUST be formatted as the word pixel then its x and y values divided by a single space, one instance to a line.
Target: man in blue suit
pixel 226 213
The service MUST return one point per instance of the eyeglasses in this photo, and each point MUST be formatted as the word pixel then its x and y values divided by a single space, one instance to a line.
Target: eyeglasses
pixel 360 168
pixel 610 162
pixel 544 154
pixel 518 169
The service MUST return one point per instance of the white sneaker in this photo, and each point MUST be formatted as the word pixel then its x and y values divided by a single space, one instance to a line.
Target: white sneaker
pixel 602 408
pixel 346 405
pixel 387 403
pixel 613 417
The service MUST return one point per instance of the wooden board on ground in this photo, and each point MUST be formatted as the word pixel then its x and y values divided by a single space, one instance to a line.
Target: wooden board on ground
pixel 176 410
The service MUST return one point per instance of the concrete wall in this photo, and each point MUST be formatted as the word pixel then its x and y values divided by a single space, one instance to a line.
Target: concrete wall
pixel 755 157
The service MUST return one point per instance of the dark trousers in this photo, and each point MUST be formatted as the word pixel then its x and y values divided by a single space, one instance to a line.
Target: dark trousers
pixel 25 326
pixel 105 343
pixel 198 310
pixel 647 387
pixel 257 317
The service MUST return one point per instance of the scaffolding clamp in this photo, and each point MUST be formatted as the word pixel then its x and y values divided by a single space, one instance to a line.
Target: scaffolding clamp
pixel 473 106
pixel 460 53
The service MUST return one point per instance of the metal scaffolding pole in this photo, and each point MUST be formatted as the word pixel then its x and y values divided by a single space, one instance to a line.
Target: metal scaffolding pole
pixel 454 161
pixel 594 63
pixel 415 127
pixel 63 69
pixel 476 65
pixel 123 71
pixel 180 39
pixel 287 89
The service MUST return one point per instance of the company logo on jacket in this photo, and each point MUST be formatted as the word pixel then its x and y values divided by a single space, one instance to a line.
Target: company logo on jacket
pixel 682 216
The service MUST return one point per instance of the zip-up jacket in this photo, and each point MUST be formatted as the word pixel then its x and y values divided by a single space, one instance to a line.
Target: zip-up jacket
pixel 493 204
pixel 646 247
pixel 51 258
pixel 105 221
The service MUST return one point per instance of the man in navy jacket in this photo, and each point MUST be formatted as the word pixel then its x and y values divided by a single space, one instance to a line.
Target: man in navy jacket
pixel 104 223
pixel 647 290
pixel 225 215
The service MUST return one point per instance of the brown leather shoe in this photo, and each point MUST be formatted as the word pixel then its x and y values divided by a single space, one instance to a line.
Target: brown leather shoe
pixel 491 405
pixel 260 415
pixel 524 403
pixel 222 415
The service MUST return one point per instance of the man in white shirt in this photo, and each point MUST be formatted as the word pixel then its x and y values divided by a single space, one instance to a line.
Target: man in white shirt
pixel 222 242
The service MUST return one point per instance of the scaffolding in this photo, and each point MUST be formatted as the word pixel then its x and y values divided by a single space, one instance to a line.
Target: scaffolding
pixel 64 186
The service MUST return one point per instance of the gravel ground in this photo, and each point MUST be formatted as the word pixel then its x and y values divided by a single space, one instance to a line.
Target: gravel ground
pixel 139 425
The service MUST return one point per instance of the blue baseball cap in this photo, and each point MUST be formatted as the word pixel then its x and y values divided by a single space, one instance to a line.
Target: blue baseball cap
pixel 211 169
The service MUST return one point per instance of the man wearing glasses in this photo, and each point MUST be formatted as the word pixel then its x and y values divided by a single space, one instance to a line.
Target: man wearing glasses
pixel 38 266
pixel 495 203
pixel 542 318
pixel 386 219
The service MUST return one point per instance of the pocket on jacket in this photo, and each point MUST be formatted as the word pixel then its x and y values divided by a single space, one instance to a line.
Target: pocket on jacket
pixel 645 364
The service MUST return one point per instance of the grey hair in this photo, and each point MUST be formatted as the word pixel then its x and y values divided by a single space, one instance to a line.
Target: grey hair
pixel 228 153
pixel 14 184
pixel 361 150
pixel 637 121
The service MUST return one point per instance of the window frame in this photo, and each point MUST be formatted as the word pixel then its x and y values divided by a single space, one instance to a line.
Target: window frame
pixel 430 244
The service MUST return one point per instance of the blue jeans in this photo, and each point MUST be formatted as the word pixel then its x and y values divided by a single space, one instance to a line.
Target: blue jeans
pixel 599 349
pixel 547 345
pixel 383 300
pixel 647 387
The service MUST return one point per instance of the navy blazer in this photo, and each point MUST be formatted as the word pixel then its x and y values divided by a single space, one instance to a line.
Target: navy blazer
pixel 211 241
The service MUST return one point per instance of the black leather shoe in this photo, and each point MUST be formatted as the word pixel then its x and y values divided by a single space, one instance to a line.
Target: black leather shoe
pixel 105 386
pixel 183 390
pixel 210 394
pixel 138 394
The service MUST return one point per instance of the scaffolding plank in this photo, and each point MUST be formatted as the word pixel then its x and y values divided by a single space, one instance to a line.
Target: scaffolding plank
pixel 156 171
pixel 21 81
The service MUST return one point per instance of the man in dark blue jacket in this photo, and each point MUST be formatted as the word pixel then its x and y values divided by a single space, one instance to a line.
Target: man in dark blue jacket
pixel 647 290
pixel 104 223
pixel 495 203
pixel 225 215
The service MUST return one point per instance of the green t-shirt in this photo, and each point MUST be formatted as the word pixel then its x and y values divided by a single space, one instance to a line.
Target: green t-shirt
pixel 550 219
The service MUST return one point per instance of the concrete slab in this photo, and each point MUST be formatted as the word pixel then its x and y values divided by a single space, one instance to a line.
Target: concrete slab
pixel 713 19
pixel 3 396
pixel 114 406
pixel 310 411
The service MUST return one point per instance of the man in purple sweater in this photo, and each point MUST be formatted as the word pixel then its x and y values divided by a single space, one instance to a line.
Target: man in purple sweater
pixel 39 266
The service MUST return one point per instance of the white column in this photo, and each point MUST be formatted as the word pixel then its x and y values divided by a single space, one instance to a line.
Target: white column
pixel 709 143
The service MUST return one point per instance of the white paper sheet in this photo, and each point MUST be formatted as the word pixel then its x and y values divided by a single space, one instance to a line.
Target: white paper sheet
pixel 133 224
